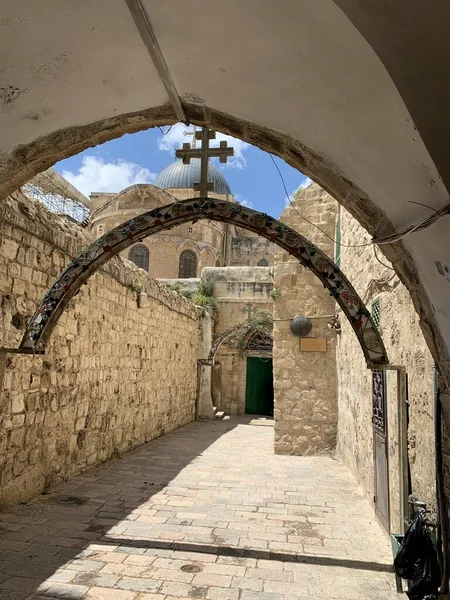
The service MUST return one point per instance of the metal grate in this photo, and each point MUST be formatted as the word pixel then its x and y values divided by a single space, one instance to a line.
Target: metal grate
pixel 379 401
pixel 188 265
pixel 376 313
pixel 140 255
pixel 58 195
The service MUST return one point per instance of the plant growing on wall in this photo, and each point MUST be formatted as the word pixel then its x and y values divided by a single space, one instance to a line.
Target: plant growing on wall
pixel 275 294
pixel 135 286
pixel 204 295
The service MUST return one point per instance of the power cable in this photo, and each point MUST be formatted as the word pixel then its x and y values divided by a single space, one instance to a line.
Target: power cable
pixel 389 239
pixel 307 220
pixel 164 132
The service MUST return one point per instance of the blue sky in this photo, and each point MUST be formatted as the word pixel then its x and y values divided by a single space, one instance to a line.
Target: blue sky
pixel 139 157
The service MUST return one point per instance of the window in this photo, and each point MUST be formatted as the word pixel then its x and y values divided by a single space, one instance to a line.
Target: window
pixel 376 313
pixel 263 263
pixel 337 251
pixel 140 255
pixel 188 265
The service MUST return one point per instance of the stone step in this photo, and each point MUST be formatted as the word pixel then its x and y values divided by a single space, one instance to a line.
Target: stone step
pixel 215 409
pixel 220 414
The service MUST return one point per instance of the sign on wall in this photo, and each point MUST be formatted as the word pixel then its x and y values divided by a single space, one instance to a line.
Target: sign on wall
pixel 310 344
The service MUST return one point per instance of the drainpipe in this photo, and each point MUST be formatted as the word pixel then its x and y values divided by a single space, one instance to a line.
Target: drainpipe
pixel 442 531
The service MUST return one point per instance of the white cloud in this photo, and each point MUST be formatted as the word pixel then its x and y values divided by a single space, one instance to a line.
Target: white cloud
pixel 96 175
pixel 175 138
pixel 243 201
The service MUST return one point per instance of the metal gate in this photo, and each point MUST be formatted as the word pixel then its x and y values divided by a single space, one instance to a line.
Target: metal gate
pixel 380 447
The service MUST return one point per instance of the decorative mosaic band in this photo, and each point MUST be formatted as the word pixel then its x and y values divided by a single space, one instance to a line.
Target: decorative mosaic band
pixel 94 256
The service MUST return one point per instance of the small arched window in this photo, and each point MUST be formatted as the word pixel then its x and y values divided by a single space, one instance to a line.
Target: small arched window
pixel 263 263
pixel 188 265
pixel 140 255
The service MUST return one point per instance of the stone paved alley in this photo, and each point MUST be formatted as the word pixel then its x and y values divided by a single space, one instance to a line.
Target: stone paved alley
pixel 205 512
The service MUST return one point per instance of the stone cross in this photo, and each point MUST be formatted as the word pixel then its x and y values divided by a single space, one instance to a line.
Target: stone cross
pixel 194 139
pixel 249 309
pixel 205 153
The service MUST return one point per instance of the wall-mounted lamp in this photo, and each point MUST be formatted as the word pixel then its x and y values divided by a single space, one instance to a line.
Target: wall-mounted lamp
pixel 301 326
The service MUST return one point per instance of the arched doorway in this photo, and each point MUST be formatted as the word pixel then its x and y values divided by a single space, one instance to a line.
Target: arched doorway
pixel 79 270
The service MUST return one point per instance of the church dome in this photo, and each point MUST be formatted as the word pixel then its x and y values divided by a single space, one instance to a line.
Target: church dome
pixel 180 176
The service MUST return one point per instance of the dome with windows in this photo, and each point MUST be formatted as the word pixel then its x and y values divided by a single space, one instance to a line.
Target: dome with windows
pixel 181 176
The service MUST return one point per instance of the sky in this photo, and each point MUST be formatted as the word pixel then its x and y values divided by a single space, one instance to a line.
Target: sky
pixel 140 157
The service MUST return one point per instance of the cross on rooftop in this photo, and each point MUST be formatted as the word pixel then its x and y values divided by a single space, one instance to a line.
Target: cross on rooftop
pixel 204 153
pixel 192 133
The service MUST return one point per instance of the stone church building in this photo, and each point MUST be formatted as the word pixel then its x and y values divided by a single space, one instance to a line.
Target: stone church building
pixel 187 249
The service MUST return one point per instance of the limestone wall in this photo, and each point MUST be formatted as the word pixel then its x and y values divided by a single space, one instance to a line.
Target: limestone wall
pixel 304 382
pixel 406 347
pixel 250 250
pixel 114 376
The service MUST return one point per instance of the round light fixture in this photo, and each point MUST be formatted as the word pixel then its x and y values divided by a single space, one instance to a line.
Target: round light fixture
pixel 301 326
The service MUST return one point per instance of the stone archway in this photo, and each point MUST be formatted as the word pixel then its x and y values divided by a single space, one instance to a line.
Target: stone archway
pixel 247 329
pixel 79 270
pixel 27 160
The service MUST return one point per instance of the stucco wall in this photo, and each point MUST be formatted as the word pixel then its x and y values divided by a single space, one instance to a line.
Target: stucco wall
pixel 114 375
pixel 406 347
pixel 304 382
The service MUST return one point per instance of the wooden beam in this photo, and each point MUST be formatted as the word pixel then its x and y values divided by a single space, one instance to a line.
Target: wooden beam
pixel 147 34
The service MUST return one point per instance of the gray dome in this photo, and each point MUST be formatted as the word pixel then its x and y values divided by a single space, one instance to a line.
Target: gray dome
pixel 180 176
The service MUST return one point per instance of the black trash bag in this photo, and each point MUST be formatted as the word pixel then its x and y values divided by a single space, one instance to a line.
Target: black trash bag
pixel 417 561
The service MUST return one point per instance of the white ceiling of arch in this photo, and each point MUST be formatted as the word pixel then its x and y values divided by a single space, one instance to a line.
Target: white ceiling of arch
pixel 297 66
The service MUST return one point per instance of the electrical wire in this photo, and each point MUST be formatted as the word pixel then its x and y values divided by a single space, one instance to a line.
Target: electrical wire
pixel 389 239
pixel 310 222
pixel 379 260
pixel 164 132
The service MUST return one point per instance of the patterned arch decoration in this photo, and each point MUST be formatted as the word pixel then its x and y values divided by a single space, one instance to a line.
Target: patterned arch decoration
pixel 247 331
pixel 94 256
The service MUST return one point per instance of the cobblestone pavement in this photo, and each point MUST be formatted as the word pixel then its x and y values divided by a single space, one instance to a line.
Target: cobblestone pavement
pixel 205 512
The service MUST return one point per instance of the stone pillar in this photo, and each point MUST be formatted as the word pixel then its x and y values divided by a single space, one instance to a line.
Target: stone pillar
pixel 204 398
pixel 205 404
pixel 305 383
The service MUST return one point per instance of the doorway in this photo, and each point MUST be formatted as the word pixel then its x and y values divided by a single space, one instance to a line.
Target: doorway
pixel 259 386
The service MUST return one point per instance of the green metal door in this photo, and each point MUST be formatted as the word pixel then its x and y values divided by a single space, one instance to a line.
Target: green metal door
pixel 259 390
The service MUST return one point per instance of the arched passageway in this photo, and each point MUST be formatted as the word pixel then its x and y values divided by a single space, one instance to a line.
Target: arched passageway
pixel 79 270
pixel 340 97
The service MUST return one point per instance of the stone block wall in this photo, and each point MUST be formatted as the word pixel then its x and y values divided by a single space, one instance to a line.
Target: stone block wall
pixel 405 345
pixel 250 250
pixel 304 382
pixel 114 375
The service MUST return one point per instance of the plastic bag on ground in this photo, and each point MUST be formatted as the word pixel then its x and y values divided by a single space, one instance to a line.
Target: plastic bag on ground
pixel 417 561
